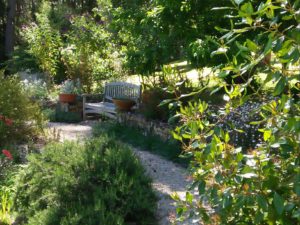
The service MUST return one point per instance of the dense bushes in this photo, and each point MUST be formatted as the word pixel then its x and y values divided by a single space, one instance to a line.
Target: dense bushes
pixel 160 87
pixel 65 44
pixel 44 42
pixel 256 184
pixel 21 118
pixel 199 53
pixel 169 149
pixel 99 182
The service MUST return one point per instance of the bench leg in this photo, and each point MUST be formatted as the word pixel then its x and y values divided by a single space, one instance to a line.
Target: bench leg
pixel 83 108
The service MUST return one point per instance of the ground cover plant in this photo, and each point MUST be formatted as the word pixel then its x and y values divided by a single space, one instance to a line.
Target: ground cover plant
pixel 170 149
pixel 99 182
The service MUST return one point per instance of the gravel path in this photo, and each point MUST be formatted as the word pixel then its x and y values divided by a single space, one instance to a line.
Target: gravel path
pixel 167 176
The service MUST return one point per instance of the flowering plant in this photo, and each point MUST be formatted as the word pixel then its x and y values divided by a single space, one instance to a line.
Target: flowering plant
pixel 7 154
pixel 6 120
pixel 5 126
pixel 5 162
pixel 21 118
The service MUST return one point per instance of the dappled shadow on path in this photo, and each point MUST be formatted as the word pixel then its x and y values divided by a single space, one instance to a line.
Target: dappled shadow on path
pixel 168 178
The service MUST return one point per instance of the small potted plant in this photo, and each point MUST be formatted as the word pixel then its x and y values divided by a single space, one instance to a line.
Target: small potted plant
pixel 123 104
pixel 69 90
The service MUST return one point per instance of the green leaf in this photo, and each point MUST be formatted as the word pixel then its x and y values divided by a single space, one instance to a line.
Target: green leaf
pixel 219 51
pixel 271 76
pixel 279 86
pixel 179 211
pixel 267 134
pixel 258 217
pixel 175 196
pixel 296 214
pixel 270 12
pixel 287 17
pixel 278 44
pixel 252 46
pixel 223 74
pixel 189 197
pixel 166 101
pixel 227 138
pixel 241 47
pixel 297 188
pixel 238 1
pixel 262 202
pixel 278 203
pixel 268 45
pixel 246 8
pixel 239 157
pixel 220 29
pixel 289 207
pixel 176 136
pixel 201 187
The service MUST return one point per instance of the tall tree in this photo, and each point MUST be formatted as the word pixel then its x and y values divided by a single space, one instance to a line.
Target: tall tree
pixel 9 30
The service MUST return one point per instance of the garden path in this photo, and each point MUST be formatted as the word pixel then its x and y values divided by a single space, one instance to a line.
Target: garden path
pixel 167 176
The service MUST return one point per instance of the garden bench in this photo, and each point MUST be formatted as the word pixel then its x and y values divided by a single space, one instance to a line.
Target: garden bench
pixel 112 90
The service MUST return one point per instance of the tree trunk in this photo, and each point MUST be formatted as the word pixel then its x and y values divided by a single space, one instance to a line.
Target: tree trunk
pixel 9 31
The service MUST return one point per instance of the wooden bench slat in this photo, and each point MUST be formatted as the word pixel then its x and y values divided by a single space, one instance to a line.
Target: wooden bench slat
pixel 112 90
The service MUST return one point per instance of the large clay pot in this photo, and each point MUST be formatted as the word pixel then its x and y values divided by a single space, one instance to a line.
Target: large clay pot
pixel 67 98
pixel 123 104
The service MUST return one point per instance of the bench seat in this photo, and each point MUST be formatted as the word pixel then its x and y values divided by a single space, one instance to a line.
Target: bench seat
pixel 112 90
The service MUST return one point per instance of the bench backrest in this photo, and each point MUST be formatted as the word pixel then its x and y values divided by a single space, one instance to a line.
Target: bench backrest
pixel 122 90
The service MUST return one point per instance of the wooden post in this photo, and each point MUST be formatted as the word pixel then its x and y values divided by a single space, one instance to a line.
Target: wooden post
pixel 83 107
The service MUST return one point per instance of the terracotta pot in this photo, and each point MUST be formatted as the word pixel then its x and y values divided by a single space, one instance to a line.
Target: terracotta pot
pixel 67 98
pixel 124 104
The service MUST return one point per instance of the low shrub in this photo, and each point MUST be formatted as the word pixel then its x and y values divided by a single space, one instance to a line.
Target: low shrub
pixel 199 52
pixel 68 117
pixel 170 149
pixel 37 89
pixel 159 87
pixel 7 174
pixel 5 208
pixel 21 119
pixel 6 159
pixel 49 114
pixel 151 99
pixel 99 182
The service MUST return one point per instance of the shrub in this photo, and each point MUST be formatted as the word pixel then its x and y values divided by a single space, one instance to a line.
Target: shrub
pixel 67 117
pixel 89 54
pixel 37 89
pixel 99 182
pixel 44 42
pixel 151 98
pixel 169 149
pixel 49 114
pixel 244 184
pixel 5 163
pixel 160 88
pixel 199 53
pixel 5 208
pixel 22 117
